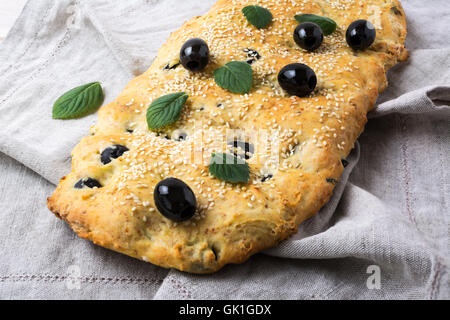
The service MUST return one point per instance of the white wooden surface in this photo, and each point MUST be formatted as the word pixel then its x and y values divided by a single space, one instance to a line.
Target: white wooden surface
pixel 9 11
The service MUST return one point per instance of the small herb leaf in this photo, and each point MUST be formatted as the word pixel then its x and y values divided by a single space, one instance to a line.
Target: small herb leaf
pixel 79 102
pixel 235 76
pixel 229 168
pixel 327 25
pixel 166 110
pixel 258 16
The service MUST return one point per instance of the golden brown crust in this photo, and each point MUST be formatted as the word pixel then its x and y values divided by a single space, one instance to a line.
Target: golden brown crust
pixel 234 221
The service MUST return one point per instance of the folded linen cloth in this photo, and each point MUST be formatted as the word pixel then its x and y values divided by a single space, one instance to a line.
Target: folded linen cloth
pixel 391 219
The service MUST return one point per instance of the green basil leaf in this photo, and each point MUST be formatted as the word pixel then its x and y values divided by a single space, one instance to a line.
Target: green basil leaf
pixel 235 76
pixel 229 168
pixel 258 16
pixel 166 110
pixel 79 102
pixel 327 25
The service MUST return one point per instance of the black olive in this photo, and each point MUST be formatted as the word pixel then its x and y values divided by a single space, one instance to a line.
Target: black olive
pixel 297 79
pixel 361 34
pixel 88 183
pixel 308 36
pixel 267 177
pixel 175 200
pixel 114 152
pixel 194 55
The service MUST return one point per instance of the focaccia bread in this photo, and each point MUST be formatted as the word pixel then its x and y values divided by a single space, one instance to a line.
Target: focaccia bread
pixel 314 135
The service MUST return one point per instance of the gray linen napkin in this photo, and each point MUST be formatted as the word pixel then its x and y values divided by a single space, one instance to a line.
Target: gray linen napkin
pixel 383 235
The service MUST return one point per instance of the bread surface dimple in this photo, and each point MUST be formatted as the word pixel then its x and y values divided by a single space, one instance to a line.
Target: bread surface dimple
pixel 313 133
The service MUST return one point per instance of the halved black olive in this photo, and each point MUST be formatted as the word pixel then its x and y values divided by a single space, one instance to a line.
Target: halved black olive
pixel 267 177
pixel 114 152
pixel 332 181
pixel 88 183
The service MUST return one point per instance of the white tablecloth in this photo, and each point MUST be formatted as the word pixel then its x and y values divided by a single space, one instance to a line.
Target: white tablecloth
pixel 9 11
